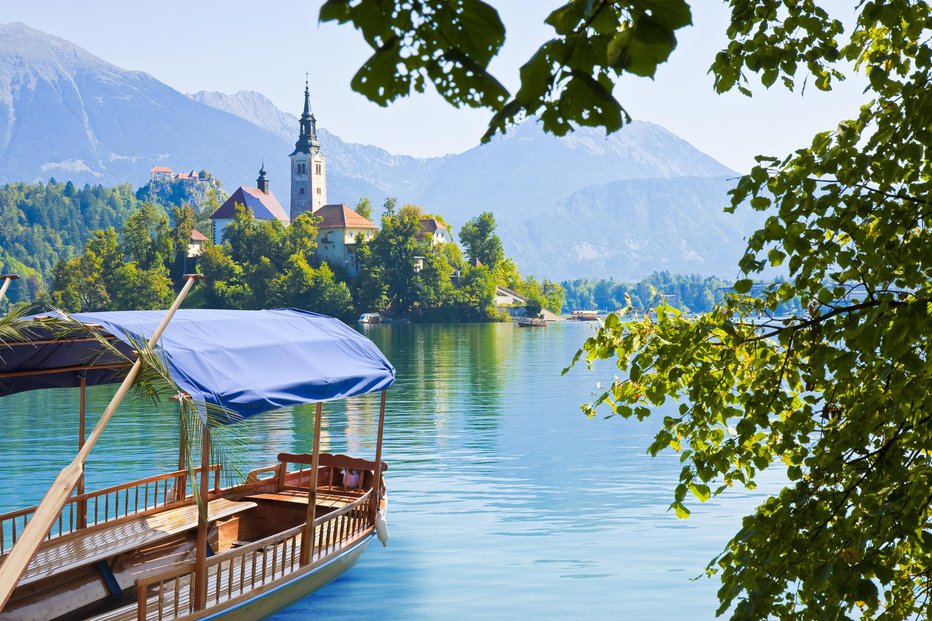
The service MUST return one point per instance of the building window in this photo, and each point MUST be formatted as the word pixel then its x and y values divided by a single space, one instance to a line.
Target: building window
pixel 318 168
pixel 300 190
pixel 318 190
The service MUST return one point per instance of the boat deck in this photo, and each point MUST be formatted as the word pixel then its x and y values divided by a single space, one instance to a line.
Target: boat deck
pixel 61 554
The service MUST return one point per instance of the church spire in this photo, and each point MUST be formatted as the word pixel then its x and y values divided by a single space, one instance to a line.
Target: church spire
pixel 307 138
pixel 263 181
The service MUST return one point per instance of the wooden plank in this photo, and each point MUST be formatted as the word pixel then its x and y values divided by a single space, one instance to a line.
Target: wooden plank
pixel 59 556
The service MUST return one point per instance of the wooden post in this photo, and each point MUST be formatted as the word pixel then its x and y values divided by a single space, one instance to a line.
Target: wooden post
pixel 181 483
pixel 377 475
pixel 307 540
pixel 60 490
pixel 81 508
pixel 203 522
pixel 7 279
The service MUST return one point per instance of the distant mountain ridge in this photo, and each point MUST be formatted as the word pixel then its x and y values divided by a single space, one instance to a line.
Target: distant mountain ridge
pixel 563 203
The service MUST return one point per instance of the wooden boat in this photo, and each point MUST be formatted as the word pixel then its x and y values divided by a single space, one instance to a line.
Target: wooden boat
pixel 369 319
pixel 147 549
pixel 584 315
pixel 530 322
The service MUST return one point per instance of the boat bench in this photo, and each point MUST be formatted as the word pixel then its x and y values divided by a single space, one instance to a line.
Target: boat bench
pixel 87 547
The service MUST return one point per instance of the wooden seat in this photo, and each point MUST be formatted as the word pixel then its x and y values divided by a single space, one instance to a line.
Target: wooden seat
pixel 59 555
pixel 325 497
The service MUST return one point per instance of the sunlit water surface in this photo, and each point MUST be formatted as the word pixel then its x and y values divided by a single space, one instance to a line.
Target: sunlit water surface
pixel 505 501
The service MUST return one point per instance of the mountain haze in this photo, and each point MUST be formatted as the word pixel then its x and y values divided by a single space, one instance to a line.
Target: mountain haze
pixel 585 204
pixel 401 176
pixel 628 229
pixel 68 114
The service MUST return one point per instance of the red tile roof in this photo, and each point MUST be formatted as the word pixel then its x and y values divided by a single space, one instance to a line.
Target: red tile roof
pixel 341 217
pixel 161 169
pixel 197 235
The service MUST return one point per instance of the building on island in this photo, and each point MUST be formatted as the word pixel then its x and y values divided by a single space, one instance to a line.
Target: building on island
pixel 308 165
pixel 338 225
pixel 196 243
pixel 163 174
pixel 259 200
pixel 434 231
pixel 337 231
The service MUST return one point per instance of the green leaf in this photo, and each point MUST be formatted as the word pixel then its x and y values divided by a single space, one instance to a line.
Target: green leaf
pixel 743 285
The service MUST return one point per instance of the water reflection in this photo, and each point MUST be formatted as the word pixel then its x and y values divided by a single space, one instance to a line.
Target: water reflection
pixel 505 501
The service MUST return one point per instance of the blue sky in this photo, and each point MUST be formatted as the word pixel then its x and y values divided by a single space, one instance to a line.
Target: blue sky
pixel 235 45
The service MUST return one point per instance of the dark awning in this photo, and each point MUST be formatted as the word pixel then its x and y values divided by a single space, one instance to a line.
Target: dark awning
pixel 245 361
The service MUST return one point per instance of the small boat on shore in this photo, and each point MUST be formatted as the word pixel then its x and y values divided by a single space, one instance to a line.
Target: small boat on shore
pixel 584 315
pixel 369 319
pixel 531 322
pixel 179 545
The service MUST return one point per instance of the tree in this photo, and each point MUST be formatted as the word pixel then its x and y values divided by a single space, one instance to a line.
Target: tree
pixel 841 391
pixel 364 208
pixel 147 237
pixel 480 241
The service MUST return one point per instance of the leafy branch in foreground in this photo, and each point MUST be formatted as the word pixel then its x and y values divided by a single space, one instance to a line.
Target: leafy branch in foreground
pixel 841 394
pixel 569 80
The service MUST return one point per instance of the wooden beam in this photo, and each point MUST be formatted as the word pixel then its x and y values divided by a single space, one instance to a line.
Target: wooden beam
pixel 203 523
pixel 377 476
pixel 115 365
pixel 307 540
pixel 81 507
pixel 60 491
pixel 7 279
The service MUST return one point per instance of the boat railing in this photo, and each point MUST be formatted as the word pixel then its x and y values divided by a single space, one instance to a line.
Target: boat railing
pixel 106 505
pixel 241 571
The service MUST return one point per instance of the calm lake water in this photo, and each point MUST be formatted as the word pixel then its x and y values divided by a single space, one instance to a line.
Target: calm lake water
pixel 505 501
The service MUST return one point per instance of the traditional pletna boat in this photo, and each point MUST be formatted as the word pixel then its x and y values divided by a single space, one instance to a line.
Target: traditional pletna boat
pixel 179 545
pixel 531 322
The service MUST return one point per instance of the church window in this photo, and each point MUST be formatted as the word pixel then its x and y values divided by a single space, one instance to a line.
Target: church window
pixel 318 168
pixel 300 190
pixel 318 190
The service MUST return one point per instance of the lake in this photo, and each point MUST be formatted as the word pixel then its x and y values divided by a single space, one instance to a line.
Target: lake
pixel 505 501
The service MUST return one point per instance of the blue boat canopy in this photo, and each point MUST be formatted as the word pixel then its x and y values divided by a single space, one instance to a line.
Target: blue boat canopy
pixel 247 362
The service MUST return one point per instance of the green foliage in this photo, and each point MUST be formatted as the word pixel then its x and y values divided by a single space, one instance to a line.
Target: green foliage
pixel 43 223
pixel 692 293
pixel 840 392
pixel 263 264
pixel 446 42
pixel 364 208
pixel 481 243
pixel 568 81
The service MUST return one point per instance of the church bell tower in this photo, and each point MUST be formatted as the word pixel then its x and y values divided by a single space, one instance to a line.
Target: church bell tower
pixel 308 166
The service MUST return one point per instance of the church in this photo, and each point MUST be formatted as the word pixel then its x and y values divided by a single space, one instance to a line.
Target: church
pixel 338 225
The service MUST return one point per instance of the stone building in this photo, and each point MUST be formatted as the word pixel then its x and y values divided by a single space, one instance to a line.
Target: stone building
pixel 336 237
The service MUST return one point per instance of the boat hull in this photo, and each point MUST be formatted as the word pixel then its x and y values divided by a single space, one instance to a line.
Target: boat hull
pixel 277 597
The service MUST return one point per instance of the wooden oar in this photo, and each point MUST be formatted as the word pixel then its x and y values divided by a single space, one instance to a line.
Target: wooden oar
pixel 50 507
pixel 7 279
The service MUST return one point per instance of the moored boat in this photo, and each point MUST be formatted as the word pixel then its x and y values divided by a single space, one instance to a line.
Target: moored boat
pixel 179 545
pixel 584 315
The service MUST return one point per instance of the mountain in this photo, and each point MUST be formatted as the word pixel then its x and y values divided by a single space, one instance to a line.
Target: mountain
pixel 526 170
pixel 66 113
pixel 585 204
pixel 400 176
pixel 629 229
